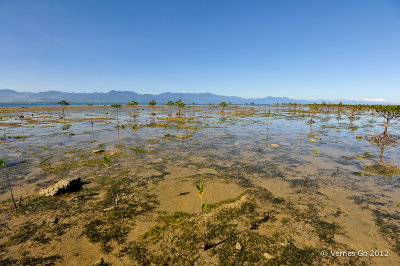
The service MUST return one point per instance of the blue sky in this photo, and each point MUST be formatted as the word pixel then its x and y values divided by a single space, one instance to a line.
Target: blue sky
pixel 320 49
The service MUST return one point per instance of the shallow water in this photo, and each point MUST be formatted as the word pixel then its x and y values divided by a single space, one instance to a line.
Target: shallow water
pixel 314 168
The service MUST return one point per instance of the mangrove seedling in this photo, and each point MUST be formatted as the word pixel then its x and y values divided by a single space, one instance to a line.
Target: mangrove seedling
pixel 106 160
pixel 106 163
pixel 200 188
pixel 3 164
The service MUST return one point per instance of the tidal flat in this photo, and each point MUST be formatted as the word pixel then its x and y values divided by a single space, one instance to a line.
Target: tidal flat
pixel 276 190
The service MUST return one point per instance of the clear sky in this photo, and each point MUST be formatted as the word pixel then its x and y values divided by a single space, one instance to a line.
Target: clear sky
pixel 304 49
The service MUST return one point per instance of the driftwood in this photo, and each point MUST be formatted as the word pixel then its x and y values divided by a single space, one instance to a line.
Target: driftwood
pixel 66 185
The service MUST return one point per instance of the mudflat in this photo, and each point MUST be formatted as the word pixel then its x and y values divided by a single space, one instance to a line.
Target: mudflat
pixel 276 189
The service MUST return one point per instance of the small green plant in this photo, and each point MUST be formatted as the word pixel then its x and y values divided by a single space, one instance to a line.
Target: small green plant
pixel 3 164
pixel 200 188
pixel 204 207
pixel 106 160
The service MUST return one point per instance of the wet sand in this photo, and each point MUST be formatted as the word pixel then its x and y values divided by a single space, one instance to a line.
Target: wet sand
pixel 311 191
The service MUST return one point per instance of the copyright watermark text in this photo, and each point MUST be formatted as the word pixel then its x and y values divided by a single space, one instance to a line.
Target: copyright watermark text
pixel 359 253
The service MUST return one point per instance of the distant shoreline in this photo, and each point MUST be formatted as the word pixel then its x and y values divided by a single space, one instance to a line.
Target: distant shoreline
pixel 52 104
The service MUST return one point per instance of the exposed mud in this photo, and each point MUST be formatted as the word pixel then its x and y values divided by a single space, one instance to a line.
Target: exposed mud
pixel 318 188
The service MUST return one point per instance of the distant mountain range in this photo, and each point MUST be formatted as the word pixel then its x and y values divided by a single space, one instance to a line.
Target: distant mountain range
pixel 11 96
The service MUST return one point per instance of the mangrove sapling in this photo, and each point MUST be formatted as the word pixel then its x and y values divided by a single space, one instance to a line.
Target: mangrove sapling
pixel 223 105
pixel 339 112
pixel 106 163
pixel 388 112
pixel 133 104
pixel 3 164
pixel 200 188
pixel 180 105
pixel 372 116
pixel 207 126
pixel 268 122
pixel 352 116
pixel 170 105
pixel 314 112
pixel 117 107
pixel 152 103
pixel 91 116
pixel 63 103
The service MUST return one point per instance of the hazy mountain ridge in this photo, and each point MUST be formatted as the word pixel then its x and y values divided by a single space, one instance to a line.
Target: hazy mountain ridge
pixel 11 96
